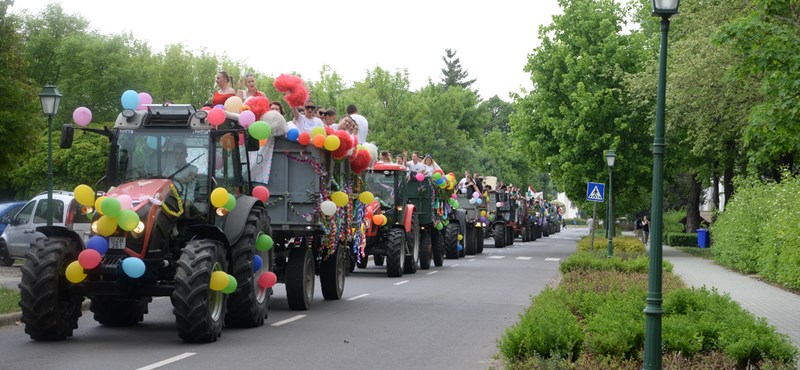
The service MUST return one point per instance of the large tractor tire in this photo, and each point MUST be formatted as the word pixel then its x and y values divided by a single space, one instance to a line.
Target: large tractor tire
pixel 49 311
pixel 395 252
pixel 363 263
pixel 300 278
pixel 377 259
pixel 199 311
pixel 437 247
pixel 499 234
pixel 425 250
pixel 114 311
pixel 525 234
pixel 5 256
pixel 332 273
pixel 451 241
pixel 248 306
pixel 471 241
pixel 510 235
pixel 412 247
pixel 480 240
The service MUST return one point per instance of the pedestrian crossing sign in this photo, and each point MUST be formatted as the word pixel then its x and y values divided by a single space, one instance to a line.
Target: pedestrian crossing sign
pixel 595 192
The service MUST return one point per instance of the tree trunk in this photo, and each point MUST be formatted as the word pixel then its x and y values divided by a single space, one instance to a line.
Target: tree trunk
pixel 714 196
pixel 693 206
pixel 727 175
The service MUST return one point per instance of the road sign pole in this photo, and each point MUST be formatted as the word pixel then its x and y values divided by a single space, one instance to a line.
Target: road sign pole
pixel 591 227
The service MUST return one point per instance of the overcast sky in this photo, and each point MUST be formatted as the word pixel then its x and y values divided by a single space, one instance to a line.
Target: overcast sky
pixel 492 38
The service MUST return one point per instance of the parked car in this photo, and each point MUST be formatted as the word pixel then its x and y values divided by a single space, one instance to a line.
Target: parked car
pixel 7 211
pixel 21 230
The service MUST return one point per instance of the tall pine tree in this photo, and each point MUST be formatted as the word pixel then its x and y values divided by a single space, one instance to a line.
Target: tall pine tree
pixel 453 74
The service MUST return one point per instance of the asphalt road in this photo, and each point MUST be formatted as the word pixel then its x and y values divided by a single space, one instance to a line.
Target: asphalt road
pixel 448 317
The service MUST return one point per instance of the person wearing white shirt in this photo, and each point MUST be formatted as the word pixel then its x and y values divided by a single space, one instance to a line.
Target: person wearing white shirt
pixel 307 120
pixel 363 125
pixel 415 164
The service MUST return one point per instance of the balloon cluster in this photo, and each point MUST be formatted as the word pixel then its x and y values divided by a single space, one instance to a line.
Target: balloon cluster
pixel 90 258
pixel 132 100
pixel 476 198
pixel 224 201
pixel 222 281
pixel 115 210
pixel 379 220
pixel 339 142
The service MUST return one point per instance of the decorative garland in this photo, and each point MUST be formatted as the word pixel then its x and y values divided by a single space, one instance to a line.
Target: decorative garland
pixel 180 203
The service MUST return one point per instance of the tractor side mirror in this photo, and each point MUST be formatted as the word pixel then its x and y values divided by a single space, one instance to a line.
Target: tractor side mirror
pixel 67 133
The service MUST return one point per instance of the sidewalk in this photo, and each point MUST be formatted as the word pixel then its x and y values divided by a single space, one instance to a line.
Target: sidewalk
pixel 779 307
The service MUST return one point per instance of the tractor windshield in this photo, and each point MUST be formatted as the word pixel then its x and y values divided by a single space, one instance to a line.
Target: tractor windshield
pixel 147 154
pixel 381 184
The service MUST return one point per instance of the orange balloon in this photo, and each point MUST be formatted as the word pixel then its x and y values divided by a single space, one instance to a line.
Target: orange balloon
pixel 262 142
pixel 319 141
pixel 227 142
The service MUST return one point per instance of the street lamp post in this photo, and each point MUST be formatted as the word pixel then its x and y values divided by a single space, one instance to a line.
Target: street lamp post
pixel 610 158
pixel 653 311
pixel 50 98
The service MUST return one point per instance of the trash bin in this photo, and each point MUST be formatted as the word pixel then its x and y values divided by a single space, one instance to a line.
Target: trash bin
pixel 702 238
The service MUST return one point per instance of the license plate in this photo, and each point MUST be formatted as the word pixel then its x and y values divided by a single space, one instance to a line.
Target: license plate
pixel 116 242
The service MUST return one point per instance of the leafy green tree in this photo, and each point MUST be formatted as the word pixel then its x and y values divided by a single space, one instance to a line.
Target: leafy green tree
pixel 453 74
pixel 500 111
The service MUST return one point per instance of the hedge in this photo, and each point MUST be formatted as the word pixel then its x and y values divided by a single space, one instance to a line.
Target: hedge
pixel 681 239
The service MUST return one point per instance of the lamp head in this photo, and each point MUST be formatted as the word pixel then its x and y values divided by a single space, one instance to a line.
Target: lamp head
pixel 610 158
pixel 665 8
pixel 50 98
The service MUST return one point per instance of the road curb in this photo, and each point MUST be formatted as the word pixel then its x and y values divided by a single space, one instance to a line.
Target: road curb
pixel 13 318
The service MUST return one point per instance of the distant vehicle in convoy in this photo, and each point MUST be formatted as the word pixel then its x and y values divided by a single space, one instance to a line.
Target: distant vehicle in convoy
pixel 21 232
pixel 474 224
pixel 7 211
pixel 504 226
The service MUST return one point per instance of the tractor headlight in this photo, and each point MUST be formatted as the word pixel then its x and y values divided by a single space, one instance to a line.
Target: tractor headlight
pixel 94 227
pixel 138 231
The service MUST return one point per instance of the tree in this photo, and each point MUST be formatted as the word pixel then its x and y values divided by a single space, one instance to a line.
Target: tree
pixel 453 74
pixel 500 111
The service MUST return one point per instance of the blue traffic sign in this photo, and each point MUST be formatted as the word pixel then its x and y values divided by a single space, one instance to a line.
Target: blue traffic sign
pixel 595 192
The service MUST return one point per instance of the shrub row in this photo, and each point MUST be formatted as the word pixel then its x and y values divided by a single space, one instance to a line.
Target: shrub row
pixel 681 239
pixel 759 232
pixel 624 244
pixel 595 317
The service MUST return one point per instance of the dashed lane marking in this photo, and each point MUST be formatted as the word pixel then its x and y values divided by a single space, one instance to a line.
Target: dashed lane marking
pixel 168 361
pixel 525 258
pixel 401 282
pixel 298 317
pixel 432 272
pixel 358 296
pixel 552 259
pixel 472 259
pixel 454 265
pixel 497 257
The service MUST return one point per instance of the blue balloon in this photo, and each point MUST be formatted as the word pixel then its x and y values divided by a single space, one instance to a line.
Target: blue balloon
pixel 130 99
pixel 133 267
pixel 220 106
pixel 478 200
pixel 98 243
pixel 292 134
pixel 440 181
pixel 257 263
pixel 460 247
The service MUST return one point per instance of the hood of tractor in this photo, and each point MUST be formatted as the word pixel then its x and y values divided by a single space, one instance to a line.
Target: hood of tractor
pixel 140 190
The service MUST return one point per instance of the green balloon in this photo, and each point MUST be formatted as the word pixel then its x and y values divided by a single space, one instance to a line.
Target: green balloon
pixel 439 226
pixel 128 220
pixel 232 285
pixel 436 176
pixel 263 242
pixel 111 207
pixel 231 203
pixel 259 130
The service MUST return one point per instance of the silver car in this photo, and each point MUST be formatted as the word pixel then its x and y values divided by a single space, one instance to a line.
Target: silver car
pixel 21 230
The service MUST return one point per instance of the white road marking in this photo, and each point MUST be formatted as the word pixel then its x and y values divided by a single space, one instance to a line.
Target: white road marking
pixel 401 282
pixel 432 272
pixel 525 258
pixel 168 361
pixel 454 265
pixel 472 259
pixel 497 257
pixel 298 317
pixel 358 296
pixel 552 259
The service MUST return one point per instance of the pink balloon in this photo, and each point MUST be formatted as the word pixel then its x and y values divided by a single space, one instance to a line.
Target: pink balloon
pixel 216 116
pixel 476 194
pixel 82 116
pixel 267 280
pixel 145 98
pixel 89 259
pixel 420 176
pixel 261 192
pixel 125 201
pixel 246 118
pixel 454 196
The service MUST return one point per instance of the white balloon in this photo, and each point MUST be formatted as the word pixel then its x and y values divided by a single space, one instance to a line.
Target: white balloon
pixel 328 207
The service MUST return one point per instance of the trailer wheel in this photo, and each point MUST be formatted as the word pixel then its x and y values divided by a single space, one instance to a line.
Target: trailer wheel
pixel 49 311
pixel 199 311
pixel 510 235
pixel 248 305
pixel 395 254
pixel 412 247
pixel 425 250
pixel 300 278
pixel 332 273
pixel 451 241
pixel 437 245
pixel 499 235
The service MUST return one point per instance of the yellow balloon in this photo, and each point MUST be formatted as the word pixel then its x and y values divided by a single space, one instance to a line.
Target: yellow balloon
pixel 219 197
pixel 97 204
pixel 366 197
pixel 460 237
pixel 84 195
pixel 318 131
pixel 75 272
pixel 219 280
pixel 339 198
pixel 332 143
pixel 483 213
pixel 106 225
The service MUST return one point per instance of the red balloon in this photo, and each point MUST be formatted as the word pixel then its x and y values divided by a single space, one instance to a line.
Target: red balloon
pixel 267 280
pixel 216 116
pixel 89 259
pixel 304 138
pixel 261 192
pixel 329 130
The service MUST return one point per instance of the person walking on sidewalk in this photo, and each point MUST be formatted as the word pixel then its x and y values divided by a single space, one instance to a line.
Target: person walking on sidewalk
pixel 645 230
pixel 637 229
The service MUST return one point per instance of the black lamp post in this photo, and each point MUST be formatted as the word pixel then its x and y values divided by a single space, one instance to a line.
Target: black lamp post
pixel 50 98
pixel 653 311
pixel 610 158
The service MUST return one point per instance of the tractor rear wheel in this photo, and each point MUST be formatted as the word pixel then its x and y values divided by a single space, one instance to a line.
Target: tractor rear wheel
pixel 471 240
pixel 412 247
pixel 332 273
pixel 199 311
pixel 451 241
pixel 395 252
pixel 248 305
pixel 499 235
pixel 479 241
